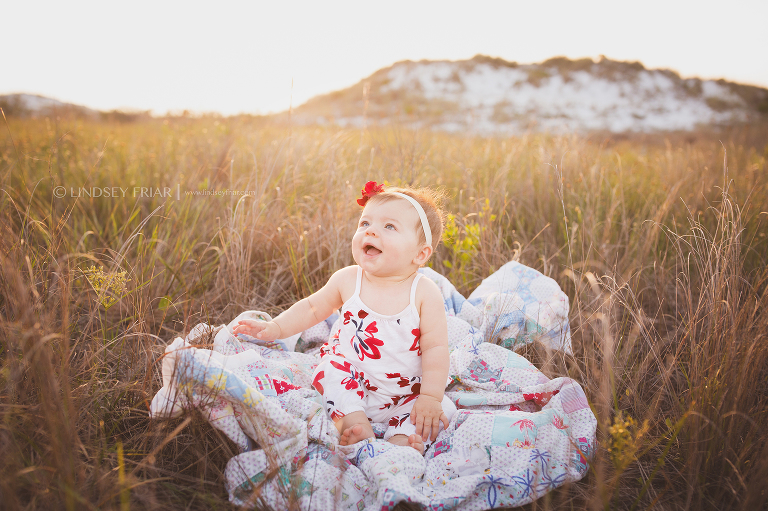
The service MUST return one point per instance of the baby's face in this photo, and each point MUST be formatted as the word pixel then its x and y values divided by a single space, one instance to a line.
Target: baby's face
pixel 387 241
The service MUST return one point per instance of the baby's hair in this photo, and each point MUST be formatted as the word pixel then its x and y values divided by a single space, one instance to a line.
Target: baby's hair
pixel 429 199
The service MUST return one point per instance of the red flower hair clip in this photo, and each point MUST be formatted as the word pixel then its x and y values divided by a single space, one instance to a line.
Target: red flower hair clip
pixel 371 189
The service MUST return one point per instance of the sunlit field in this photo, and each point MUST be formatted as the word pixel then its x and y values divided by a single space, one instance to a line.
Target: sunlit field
pixel 658 241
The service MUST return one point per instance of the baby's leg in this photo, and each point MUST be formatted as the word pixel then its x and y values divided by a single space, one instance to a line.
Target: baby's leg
pixel 336 379
pixel 402 432
pixel 353 427
pixel 414 441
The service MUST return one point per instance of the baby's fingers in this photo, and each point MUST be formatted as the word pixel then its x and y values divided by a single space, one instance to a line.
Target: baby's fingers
pixel 436 426
pixel 251 323
pixel 420 425
pixel 241 329
pixel 426 433
pixel 444 420
pixel 253 327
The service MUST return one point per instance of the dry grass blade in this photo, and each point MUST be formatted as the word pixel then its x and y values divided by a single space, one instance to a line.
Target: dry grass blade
pixel 661 249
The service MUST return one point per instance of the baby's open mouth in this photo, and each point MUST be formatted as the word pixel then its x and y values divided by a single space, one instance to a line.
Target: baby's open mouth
pixel 371 250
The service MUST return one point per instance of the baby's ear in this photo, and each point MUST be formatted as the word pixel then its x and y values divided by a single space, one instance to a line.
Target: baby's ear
pixel 423 255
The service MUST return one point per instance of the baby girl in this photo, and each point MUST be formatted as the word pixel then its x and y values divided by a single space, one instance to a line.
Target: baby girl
pixel 389 360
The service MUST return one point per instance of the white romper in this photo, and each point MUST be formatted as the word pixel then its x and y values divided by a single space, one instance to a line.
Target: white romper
pixel 373 364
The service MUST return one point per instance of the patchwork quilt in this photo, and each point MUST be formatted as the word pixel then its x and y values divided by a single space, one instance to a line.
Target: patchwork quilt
pixel 516 436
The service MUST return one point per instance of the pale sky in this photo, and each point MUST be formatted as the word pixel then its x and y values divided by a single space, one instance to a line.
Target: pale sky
pixel 240 56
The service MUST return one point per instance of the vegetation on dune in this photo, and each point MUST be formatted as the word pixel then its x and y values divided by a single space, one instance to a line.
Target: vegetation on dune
pixel 660 243
pixel 456 99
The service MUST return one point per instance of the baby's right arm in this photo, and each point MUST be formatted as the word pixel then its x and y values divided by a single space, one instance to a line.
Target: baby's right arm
pixel 302 315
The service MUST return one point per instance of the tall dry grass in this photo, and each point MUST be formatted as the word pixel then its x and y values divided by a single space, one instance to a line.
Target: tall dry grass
pixel 658 241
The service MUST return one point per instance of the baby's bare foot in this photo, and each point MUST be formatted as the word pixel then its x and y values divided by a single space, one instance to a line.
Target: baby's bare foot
pixel 352 435
pixel 416 442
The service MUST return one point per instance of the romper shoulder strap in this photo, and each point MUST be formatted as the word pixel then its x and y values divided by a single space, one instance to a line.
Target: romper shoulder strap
pixel 358 281
pixel 413 288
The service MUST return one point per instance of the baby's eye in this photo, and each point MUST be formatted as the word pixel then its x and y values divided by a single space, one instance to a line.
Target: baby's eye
pixel 364 224
pixel 390 226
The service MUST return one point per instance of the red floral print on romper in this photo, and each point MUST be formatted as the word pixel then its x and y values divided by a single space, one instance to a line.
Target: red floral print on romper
pixel 398 420
pixel 371 388
pixel 364 347
pixel 316 383
pixel 350 382
pixel 416 346
pixel 332 347
pixel 402 381
pixel 415 392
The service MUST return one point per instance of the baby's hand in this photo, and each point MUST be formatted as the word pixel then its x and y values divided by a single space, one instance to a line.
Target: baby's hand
pixel 267 331
pixel 427 414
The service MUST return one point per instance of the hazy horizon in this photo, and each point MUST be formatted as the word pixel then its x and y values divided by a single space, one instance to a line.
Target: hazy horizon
pixel 242 57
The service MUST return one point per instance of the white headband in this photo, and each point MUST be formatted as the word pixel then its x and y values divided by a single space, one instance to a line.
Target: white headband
pixel 422 215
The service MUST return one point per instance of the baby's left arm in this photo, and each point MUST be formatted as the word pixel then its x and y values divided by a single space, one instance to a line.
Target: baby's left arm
pixel 428 411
